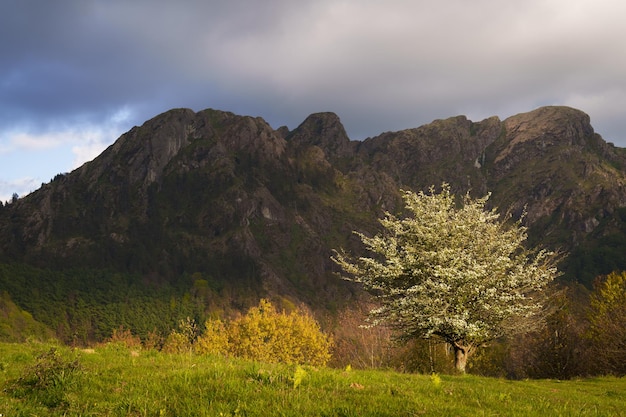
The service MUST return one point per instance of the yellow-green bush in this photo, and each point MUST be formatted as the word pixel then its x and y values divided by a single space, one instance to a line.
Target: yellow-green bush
pixel 176 342
pixel 266 335
pixel 214 340
pixel 607 324
pixel 182 339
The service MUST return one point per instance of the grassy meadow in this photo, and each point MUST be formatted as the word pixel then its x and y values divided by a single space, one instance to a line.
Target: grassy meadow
pixel 112 380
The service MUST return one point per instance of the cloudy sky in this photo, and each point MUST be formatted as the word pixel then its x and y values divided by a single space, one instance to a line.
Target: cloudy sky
pixel 76 74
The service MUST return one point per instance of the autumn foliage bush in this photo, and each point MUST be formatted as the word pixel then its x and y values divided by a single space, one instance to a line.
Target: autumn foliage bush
pixel 125 337
pixel 267 335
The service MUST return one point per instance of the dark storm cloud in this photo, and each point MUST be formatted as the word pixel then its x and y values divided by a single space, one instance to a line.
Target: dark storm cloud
pixel 368 61
pixel 81 59
pixel 80 72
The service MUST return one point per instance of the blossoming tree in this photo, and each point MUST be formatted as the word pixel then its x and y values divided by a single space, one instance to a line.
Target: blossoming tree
pixel 460 274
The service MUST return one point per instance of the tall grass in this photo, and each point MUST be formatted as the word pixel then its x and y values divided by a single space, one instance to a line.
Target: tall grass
pixel 113 380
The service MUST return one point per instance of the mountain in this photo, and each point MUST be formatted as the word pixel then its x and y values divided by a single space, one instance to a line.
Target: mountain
pixel 228 201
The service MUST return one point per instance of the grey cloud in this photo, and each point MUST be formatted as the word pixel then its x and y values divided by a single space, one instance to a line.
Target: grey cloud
pixel 380 66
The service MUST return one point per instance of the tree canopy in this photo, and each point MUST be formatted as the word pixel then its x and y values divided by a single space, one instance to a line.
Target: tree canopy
pixel 460 274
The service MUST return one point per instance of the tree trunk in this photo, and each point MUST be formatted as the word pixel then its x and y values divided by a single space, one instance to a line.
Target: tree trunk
pixel 461 353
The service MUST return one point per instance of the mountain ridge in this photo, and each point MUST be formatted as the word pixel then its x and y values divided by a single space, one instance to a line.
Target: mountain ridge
pixel 243 204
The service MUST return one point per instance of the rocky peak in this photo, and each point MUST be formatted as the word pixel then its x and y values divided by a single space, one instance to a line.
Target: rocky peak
pixel 410 155
pixel 544 128
pixel 141 155
pixel 550 163
pixel 325 131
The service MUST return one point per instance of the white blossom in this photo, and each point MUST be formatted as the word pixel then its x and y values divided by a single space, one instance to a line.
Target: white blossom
pixel 460 274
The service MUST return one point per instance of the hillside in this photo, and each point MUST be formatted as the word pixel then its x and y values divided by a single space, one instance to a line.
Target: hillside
pixel 226 202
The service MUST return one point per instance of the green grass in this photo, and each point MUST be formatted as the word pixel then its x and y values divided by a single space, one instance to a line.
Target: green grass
pixel 116 381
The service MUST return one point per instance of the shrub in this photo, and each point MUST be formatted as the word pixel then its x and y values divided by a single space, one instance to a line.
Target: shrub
pixel 214 341
pixel 176 343
pixel 266 335
pixel 607 319
pixel 182 339
pixel 361 346
pixel 46 380
pixel 125 337
pixel 153 341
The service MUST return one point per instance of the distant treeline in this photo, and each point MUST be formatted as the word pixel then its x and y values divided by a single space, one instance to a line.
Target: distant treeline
pixel 85 306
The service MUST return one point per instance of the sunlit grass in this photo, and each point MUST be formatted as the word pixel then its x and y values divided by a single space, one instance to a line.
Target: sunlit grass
pixel 116 381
